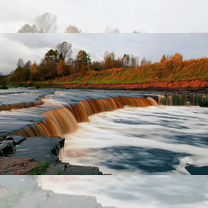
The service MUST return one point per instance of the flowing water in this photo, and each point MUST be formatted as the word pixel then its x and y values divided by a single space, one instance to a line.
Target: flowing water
pixel 118 131
pixel 144 140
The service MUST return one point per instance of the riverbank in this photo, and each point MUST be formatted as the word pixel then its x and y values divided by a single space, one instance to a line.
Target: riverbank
pixel 37 156
pixel 36 149
pixel 192 85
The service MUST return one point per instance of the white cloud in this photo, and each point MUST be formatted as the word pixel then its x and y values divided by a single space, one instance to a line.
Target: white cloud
pixel 95 15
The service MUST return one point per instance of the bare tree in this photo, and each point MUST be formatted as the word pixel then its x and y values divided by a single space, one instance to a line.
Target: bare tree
pixel 65 51
pixel 126 60
pixel 72 29
pixel 46 23
pixel 20 63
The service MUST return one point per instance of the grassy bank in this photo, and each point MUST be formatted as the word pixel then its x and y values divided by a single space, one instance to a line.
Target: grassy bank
pixel 187 73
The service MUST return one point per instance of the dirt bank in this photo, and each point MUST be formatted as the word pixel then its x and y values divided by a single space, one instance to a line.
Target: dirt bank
pixel 182 85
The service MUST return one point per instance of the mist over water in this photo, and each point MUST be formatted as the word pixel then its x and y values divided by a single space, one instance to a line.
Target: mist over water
pixel 151 140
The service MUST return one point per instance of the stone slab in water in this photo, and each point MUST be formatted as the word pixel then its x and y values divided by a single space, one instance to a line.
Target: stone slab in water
pixel 66 169
pixel 6 147
pixel 40 149
pixel 193 170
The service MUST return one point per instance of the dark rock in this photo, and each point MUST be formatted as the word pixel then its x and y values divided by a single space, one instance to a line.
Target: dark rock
pixel 6 147
pixel 15 138
pixel 205 104
pixel 193 170
pixel 40 149
pixel 67 169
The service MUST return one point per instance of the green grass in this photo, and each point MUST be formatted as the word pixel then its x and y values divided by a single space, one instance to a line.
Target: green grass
pixel 41 169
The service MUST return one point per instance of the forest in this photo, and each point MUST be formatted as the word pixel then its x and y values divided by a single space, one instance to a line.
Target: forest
pixel 59 66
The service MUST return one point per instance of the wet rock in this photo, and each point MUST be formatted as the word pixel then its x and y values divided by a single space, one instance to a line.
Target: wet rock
pixel 40 149
pixel 15 138
pixel 205 104
pixel 67 169
pixel 6 147
pixel 193 170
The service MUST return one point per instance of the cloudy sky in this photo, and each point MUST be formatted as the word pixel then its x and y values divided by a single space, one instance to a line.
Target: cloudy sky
pixel 95 15
pixel 151 46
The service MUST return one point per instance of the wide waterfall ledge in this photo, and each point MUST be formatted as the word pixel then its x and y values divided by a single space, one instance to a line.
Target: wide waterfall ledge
pixel 141 136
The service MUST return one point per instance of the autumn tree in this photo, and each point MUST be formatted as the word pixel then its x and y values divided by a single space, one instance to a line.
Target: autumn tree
pixel 34 71
pixel 97 66
pixel 164 59
pixel 52 56
pixel 83 61
pixel 47 71
pixel 109 59
pixel 62 68
pixel 177 58
pixel 21 73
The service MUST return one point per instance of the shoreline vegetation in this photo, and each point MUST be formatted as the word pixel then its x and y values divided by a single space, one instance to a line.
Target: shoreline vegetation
pixel 58 68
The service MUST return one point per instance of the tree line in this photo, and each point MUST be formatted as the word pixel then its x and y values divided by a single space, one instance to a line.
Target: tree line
pixel 59 62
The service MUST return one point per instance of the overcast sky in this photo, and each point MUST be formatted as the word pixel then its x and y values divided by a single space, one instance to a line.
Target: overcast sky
pixel 95 15
pixel 152 46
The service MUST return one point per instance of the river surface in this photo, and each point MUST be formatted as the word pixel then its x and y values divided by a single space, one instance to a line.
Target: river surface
pixel 151 140
pixel 143 140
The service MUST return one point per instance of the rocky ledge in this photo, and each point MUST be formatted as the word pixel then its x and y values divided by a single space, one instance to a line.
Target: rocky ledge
pixel 37 155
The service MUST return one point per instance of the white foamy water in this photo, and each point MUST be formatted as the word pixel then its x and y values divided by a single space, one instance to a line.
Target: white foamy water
pixel 150 140
pixel 133 191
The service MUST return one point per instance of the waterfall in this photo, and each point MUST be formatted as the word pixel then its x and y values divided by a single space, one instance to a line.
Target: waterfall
pixel 61 121
pixel 184 100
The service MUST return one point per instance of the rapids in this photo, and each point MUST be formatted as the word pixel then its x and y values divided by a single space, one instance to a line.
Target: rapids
pixel 146 132
pixel 152 140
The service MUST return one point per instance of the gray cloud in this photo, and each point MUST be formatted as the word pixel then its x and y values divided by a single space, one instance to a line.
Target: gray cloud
pixel 152 46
